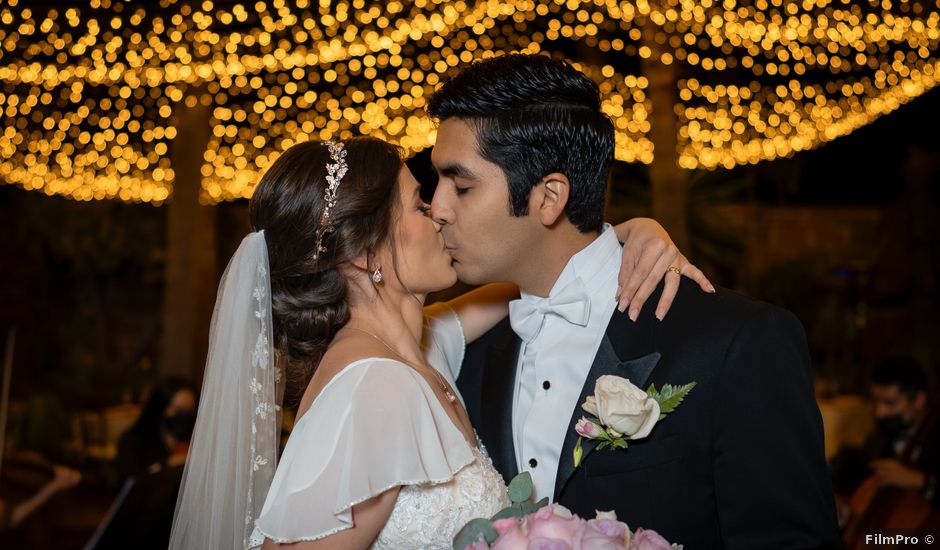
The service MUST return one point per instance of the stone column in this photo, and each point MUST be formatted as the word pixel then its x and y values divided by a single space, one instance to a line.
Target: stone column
pixel 668 182
pixel 191 260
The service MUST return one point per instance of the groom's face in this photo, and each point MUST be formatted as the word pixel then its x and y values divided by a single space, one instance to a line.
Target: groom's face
pixel 472 202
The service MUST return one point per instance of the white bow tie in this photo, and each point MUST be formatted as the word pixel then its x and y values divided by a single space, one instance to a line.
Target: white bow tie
pixel 571 304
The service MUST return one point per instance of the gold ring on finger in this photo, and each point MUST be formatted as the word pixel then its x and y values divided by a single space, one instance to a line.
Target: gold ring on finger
pixel 675 269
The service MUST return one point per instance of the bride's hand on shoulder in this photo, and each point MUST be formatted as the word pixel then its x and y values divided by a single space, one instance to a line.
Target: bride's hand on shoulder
pixel 649 255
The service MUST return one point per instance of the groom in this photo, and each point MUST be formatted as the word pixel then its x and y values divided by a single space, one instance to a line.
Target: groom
pixel 522 154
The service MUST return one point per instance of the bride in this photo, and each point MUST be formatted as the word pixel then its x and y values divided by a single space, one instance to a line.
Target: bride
pixel 328 292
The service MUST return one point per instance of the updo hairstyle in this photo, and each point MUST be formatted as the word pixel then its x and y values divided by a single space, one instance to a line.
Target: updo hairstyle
pixel 309 296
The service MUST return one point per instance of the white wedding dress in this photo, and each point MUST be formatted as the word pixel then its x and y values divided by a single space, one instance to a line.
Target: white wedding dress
pixel 376 425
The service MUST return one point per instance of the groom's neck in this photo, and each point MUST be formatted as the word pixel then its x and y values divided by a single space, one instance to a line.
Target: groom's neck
pixel 550 256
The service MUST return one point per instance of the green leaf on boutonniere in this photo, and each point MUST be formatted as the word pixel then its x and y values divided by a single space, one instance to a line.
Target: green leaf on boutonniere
pixel 669 397
pixel 619 443
pixel 520 488
pixel 578 453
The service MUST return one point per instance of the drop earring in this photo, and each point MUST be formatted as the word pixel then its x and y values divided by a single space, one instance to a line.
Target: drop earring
pixel 377 275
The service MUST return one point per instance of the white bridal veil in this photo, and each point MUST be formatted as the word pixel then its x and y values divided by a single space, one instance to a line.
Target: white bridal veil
pixel 233 454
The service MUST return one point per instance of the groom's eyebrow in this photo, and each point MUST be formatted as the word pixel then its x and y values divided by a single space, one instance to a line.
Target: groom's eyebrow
pixel 455 171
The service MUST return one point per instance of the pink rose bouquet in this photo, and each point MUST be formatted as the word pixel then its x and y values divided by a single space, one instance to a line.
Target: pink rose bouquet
pixel 543 526
pixel 553 527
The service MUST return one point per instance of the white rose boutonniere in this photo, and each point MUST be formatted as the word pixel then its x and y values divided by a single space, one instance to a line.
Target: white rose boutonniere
pixel 621 412
pixel 623 409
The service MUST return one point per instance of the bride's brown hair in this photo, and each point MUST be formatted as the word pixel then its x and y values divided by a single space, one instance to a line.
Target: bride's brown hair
pixel 309 296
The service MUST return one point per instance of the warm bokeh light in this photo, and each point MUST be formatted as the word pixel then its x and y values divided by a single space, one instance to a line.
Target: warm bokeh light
pixel 89 93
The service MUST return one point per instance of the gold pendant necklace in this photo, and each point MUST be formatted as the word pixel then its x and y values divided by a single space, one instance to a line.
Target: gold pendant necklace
pixel 441 381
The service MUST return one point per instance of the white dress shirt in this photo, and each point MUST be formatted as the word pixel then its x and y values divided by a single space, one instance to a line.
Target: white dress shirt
pixel 552 368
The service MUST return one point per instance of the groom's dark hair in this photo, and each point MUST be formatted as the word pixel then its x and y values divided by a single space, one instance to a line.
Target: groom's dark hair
pixel 533 116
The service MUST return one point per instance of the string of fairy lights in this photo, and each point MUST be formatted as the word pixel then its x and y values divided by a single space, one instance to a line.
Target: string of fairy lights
pixel 91 93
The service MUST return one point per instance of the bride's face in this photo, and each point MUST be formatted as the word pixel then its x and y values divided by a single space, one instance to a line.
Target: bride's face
pixel 424 265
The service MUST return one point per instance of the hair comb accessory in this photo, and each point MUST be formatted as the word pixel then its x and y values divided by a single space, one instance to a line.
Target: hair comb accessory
pixel 334 175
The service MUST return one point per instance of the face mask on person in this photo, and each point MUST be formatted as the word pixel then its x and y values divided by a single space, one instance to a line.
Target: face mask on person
pixel 893 425
pixel 180 425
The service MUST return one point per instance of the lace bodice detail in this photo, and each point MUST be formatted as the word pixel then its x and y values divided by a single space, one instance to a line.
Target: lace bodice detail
pixel 428 516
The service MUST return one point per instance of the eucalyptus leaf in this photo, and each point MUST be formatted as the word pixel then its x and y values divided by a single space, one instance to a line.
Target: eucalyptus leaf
pixel 477 529
pixel 529 507
pixel 520 488
pixel 511 511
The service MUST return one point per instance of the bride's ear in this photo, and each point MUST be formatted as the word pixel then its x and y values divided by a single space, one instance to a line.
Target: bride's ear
pixel 368 262
pixel 549 198
pixel 361 262
pixel 357 270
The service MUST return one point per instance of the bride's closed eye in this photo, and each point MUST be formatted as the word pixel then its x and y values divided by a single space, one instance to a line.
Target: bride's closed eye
pixel 424 208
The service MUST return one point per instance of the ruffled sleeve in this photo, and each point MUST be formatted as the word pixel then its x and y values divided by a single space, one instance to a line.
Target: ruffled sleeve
pixel 375 426
pixel 444 340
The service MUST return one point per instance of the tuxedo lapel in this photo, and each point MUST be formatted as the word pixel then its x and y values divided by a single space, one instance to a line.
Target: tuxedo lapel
pixel 499 376
pixel 635 339
pixel 623 338
pixel 638 371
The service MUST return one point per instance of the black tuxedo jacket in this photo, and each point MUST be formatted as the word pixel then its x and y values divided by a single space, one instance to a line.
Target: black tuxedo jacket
pixel 739 464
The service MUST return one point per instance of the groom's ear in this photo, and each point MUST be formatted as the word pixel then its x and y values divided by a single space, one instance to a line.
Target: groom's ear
pixel 549 198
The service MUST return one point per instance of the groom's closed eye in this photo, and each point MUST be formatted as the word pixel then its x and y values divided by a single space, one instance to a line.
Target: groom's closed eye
pixel 460 175
pixel 455 172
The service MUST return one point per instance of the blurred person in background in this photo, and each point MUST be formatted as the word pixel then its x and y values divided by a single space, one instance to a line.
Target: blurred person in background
pixel 148 444
pixel 142 514
pixel 891 482
pixel 906 425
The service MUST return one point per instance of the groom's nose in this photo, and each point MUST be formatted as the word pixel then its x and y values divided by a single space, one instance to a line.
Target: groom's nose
pixel 441 211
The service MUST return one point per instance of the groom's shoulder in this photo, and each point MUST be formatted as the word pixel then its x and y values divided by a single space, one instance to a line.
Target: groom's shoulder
pixel 724 302
pixel 724 311
pixel 706 326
